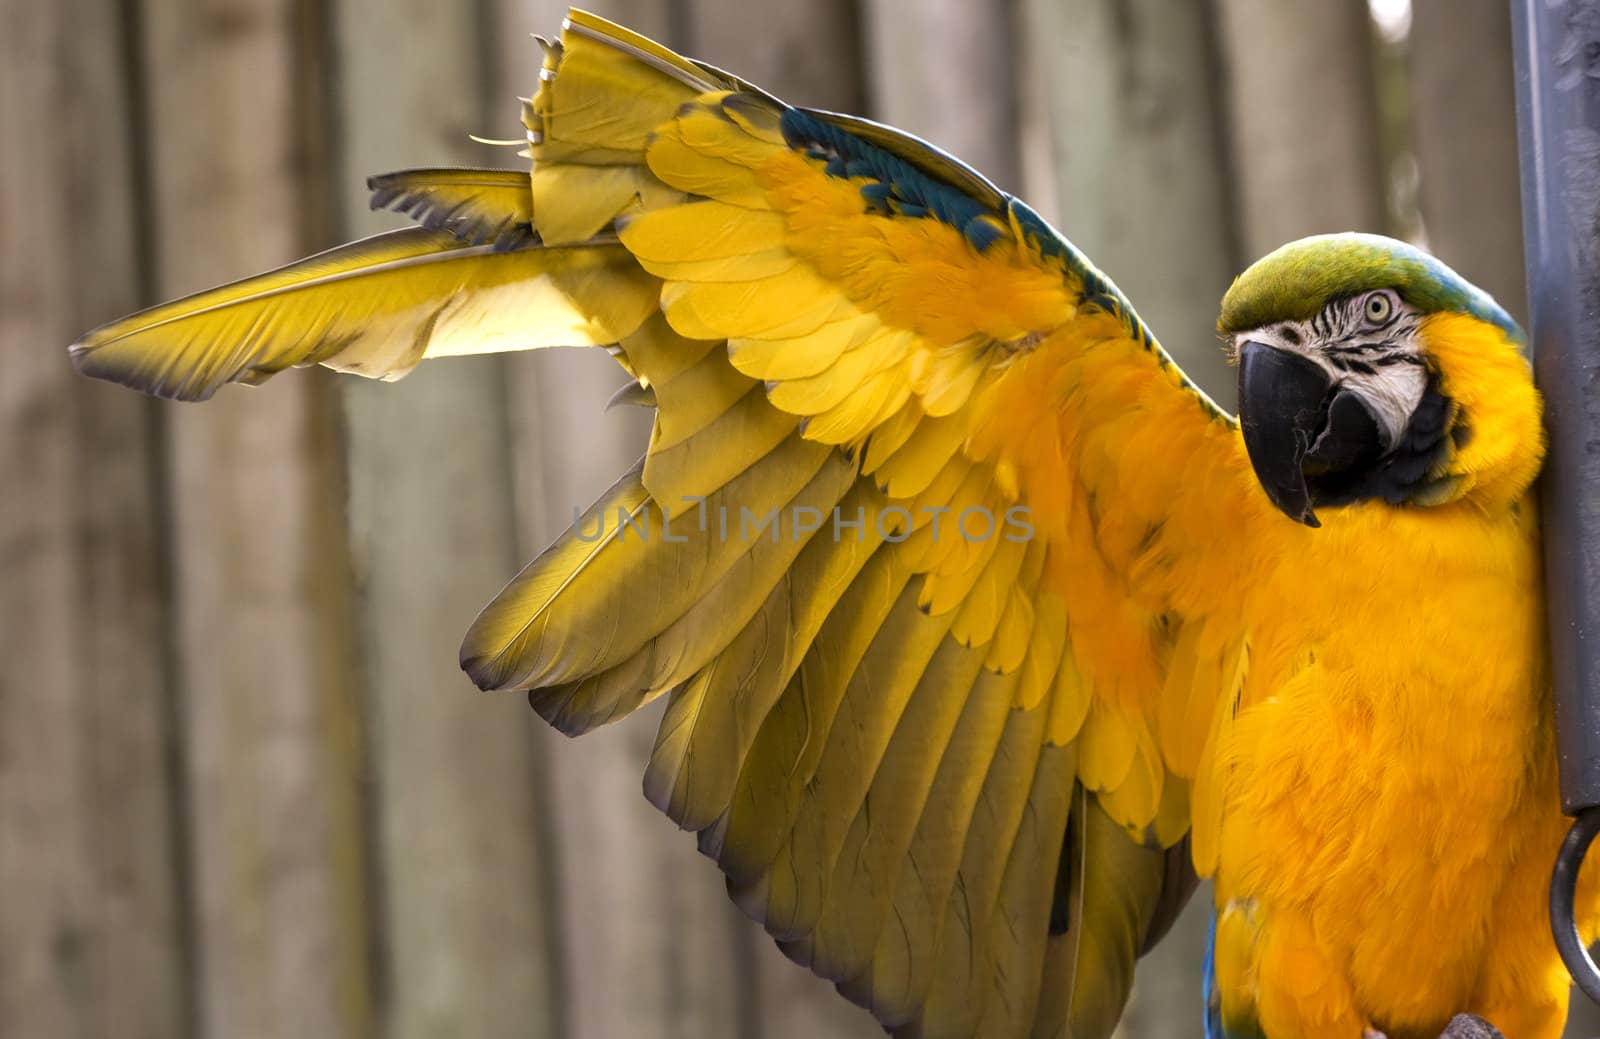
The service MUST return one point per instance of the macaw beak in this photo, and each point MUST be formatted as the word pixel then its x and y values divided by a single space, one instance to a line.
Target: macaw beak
pixel 1302 430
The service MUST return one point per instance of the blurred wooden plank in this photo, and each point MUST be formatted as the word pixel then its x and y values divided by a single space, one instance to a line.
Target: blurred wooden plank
pixel 1464 121
pixel 1126 94
pixel 1305 154
pixel 91 940
pixel 649 945
pixel 260 572
pixel 464 944
pixel 946 72
pixel 807 54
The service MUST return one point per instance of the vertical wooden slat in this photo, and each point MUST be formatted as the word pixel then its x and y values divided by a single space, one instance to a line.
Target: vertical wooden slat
pixel 1464 121
pixel 807 54
pixel 430 513
pixel 649 944
pixel 91 939
pixel 260 573
pixel 1126 95
pixel 946 72
pixel 1304 115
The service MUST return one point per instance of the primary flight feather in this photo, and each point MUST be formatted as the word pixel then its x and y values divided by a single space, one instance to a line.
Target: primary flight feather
pixel 983 629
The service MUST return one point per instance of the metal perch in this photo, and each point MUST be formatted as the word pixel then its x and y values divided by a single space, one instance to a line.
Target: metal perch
pixel 1557 44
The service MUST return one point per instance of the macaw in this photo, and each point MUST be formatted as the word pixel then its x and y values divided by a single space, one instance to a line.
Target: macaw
pixel 984 630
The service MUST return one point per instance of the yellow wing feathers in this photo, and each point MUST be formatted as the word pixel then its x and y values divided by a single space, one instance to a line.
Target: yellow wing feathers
pixel 877 722
pixel 919 550
pixel 376 308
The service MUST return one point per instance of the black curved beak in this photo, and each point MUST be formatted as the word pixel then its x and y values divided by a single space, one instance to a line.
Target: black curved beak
pixel 1302 432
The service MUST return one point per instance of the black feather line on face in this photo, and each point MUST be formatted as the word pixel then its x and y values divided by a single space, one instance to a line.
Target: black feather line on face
pixel 1413 472
pixel 1351 364
pixel 1388 359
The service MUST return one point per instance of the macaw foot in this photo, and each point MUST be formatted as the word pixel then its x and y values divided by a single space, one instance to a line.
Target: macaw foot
pixel 1462 1026
pixel 1470 1026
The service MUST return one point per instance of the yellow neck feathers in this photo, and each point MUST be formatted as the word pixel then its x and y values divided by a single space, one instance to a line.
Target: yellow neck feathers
pixel 1484 372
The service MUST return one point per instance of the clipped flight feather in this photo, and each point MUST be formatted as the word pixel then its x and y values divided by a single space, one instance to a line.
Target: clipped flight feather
pixel 614 39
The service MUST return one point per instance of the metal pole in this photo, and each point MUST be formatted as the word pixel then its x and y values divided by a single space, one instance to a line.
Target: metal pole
pixel 1557 45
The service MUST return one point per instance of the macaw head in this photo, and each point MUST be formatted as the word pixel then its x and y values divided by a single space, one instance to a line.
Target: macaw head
pixel 1370 371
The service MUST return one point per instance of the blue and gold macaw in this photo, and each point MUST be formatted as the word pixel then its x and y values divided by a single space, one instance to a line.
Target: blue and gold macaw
pixel 983 629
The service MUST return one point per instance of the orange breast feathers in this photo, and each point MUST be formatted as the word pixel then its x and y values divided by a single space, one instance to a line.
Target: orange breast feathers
pixel 1386 808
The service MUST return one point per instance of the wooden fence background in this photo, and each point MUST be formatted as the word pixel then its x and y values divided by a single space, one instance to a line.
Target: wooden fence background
pixel 244 791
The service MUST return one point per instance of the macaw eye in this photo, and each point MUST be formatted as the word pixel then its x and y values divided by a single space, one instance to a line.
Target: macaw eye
pixel 1379 308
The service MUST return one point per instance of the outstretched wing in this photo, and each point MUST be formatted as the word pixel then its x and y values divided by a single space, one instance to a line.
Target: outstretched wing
pixel 932 545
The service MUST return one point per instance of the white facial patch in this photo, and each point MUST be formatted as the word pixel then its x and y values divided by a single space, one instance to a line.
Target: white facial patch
pixel 1378 358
